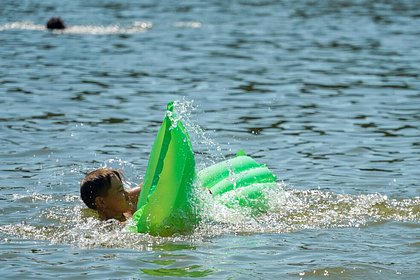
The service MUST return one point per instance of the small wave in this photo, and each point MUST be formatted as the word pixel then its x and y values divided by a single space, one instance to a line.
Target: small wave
pixel 23 25
pixel 188 24
pixel 135 27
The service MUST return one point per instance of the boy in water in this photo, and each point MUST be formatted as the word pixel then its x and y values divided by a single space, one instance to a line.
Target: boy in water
pixel 55 23
pixel 103 191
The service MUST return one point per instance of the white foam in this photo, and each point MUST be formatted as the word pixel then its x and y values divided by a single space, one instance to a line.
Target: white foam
pixel 135 27
pixel 23 25
pixel 188 24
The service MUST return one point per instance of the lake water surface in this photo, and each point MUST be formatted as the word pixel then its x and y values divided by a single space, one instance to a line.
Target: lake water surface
pixel 326 93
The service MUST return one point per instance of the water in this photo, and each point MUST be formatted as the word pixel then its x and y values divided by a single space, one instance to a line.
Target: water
pixel 326 93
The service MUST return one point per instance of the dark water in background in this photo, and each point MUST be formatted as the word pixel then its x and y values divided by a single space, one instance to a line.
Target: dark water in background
pixel 326 93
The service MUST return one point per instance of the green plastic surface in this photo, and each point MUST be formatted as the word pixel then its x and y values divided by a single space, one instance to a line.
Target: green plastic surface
pixel 239 181
pixel 166 205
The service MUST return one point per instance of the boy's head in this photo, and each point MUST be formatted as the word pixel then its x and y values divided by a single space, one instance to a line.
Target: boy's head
pixel 55 23
pixel 103 190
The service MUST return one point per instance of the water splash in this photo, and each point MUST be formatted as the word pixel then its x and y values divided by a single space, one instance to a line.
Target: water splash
pixel 294 210
pixel 210 151
pixel 289 210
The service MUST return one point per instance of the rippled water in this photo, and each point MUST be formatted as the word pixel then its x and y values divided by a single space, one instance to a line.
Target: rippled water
pixel 326 93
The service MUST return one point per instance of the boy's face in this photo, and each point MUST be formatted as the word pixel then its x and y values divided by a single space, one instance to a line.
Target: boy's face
pixel 116 201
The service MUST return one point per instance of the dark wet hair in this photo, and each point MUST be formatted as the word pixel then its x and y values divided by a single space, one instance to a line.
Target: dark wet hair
pixel 97 183
pixel 55 23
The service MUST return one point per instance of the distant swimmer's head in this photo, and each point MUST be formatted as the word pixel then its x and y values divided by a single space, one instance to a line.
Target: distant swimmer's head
pixel 103 190
pixel 55 23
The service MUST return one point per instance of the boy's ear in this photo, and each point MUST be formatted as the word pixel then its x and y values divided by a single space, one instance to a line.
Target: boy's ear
pixel 99 202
